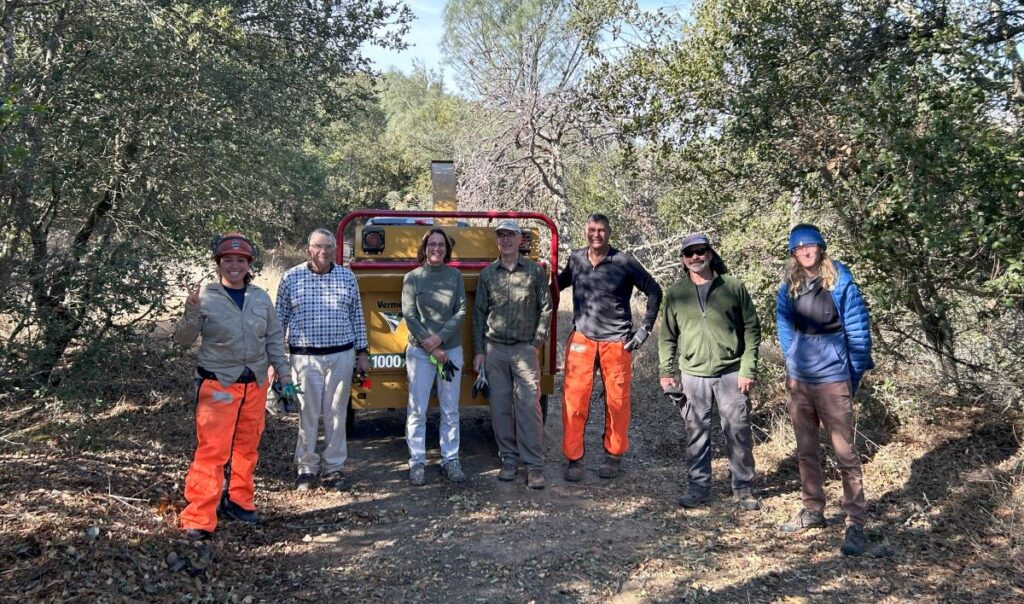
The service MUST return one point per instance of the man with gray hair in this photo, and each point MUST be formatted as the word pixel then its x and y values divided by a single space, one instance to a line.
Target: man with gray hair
pixel 708 343
pixel 321 312
pixel 511 318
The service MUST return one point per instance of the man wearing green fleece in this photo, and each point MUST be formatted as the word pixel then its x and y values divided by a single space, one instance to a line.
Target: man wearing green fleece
pixel 707 345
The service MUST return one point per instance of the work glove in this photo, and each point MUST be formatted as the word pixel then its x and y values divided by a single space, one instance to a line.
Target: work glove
pixel 639 337
pixel 287 396
pixel 446 370
pixel 359 379
pixel 480 386
pixel 677 396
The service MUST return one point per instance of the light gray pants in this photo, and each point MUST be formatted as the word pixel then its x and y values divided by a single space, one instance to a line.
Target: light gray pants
pixel 422 377
pixel 734 412
pixel 326 381
pixel 513 373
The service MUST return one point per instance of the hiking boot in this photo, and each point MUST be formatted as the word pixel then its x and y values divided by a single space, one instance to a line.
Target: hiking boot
pixel 574 473
pixel 535 478
pixel 194 534
pixel 803 521
pixel 610 467
pixel 233 510
pixel 509 469
pixel 855 541
pixel 334 480
pixel 746 501
pixel 304 482
pixel 694 499
pixel 453 470
pixel 417 475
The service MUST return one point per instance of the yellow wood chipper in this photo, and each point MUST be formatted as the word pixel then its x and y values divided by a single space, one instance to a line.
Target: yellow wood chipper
pixel 379 246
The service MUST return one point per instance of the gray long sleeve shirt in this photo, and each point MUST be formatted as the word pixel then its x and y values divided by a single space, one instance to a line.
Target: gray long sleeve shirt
pixel 601 294
pixel 434 302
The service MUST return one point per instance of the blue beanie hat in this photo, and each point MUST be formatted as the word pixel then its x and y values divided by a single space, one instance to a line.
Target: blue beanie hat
pixel 805 234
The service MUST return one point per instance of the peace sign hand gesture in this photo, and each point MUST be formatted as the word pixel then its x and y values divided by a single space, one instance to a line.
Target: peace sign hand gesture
pixel 192 299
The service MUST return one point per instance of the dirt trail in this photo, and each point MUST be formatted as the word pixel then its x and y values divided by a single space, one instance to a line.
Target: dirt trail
pixel 89 499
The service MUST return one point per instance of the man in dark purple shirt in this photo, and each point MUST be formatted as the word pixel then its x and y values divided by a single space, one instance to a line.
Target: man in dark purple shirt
pixel 602 280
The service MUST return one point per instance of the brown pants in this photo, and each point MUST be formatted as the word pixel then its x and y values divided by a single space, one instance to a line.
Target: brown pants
pixel 831 405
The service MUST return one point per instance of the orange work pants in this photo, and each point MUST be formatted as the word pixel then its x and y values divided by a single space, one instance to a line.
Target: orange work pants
pixel 229 423
pixel 582 355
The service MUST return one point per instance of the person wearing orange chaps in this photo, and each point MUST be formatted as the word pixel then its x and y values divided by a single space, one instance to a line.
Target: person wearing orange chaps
pixel 229 423
pixel 602 280
pixel 240 338
pixel 582 356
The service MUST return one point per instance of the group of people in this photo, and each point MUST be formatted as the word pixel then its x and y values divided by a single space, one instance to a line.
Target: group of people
pixel 708 341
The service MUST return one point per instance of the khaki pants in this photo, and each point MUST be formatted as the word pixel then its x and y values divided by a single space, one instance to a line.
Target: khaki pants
pixel 326 380
pixel 831 405
pixel 513 373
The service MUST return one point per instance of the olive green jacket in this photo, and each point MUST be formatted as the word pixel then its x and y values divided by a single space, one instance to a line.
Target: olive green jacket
pixel 719 340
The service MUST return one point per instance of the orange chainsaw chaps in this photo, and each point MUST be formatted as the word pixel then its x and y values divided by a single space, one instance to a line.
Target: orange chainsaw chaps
pixel 229 424
pixel 582 356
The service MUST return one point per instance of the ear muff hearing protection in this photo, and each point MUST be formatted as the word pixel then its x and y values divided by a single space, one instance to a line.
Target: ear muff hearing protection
pixel 234 243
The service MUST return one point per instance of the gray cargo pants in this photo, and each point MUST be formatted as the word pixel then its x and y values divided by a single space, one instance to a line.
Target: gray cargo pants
pixel 734 412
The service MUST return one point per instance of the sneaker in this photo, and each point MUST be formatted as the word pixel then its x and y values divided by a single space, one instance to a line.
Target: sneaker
pixel 574 473
pixel 194 534
pixel 803 521
pixel 334 480
pixel 746 501
pixel 233 510
pixel 610 467
pixel 855 541
pixel 453 470
pixel 535 478
pixel 304 482
pixel 417 475
pixel 509 469
pixel 694 499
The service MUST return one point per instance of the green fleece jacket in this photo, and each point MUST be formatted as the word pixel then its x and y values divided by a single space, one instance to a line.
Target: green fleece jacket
pixel 719 340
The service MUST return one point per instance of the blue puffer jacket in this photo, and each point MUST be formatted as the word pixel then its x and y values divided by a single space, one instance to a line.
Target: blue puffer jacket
pixel 852 312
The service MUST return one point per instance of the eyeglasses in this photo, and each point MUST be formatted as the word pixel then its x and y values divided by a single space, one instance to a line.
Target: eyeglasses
pixel 507 235
pixel 695 251
pixel 322 246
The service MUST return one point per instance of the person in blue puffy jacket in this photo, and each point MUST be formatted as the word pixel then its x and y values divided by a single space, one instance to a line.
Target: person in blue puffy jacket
pixel 825 334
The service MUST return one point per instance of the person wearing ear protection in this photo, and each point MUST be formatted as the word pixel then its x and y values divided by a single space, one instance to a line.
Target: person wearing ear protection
pixel 240 337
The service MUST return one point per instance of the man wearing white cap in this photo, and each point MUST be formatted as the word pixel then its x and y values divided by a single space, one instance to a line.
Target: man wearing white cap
pixel 511 318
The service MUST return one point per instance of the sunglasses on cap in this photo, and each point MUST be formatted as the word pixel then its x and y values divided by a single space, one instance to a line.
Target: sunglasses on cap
pixel 695 251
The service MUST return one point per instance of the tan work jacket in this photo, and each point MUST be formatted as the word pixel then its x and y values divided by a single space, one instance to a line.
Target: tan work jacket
pixel 234 338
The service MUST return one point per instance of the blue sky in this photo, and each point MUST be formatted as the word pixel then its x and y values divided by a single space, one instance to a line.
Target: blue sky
pixel 426 31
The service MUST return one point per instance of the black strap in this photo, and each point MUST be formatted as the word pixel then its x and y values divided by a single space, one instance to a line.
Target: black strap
pixel 319 350
pixel 247 376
